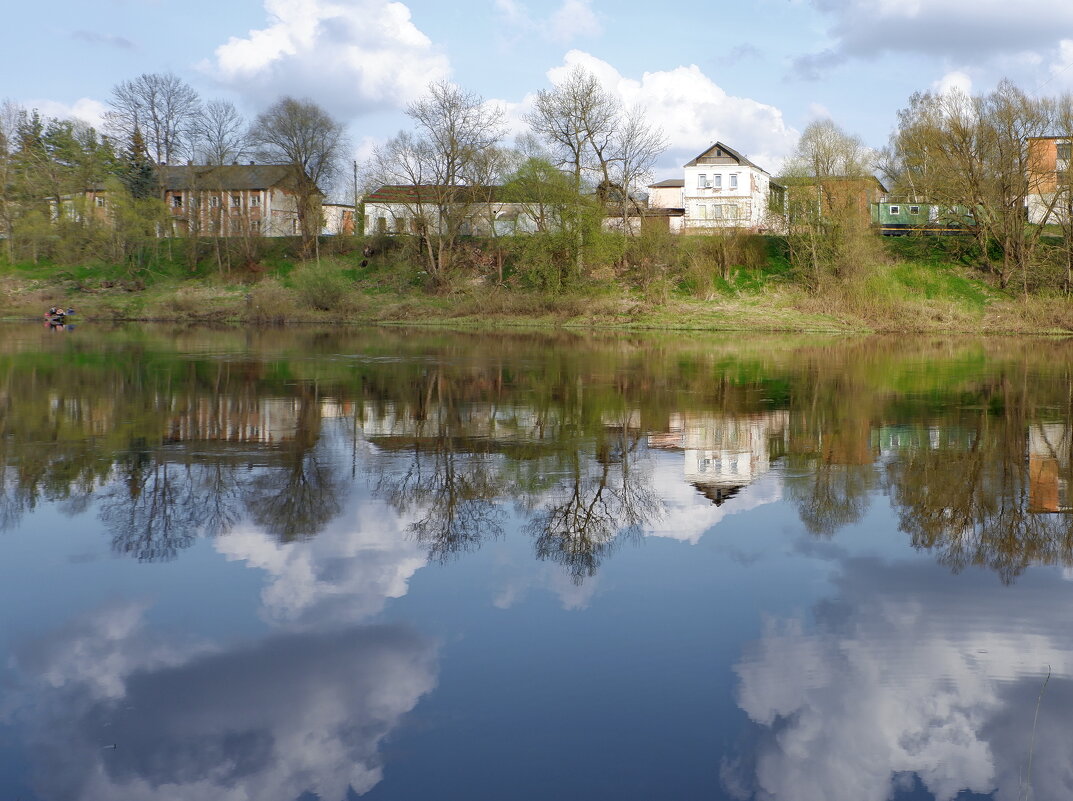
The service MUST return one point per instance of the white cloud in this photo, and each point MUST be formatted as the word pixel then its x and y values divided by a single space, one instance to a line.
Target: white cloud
pixel 85 109
pixel 352 56
pixel 570 20
pixel 344 574
pixel 289 716
pixel 957 80
pixel 984 29
pixel 692 110
pixel 906 673
pixel 574 18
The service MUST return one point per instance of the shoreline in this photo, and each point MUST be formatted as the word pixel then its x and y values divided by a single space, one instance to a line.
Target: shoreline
pixel 768 313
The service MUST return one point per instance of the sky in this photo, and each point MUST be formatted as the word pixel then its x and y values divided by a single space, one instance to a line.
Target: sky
pixel 751 74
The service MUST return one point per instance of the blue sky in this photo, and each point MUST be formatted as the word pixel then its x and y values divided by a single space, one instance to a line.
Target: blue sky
pixel 750 74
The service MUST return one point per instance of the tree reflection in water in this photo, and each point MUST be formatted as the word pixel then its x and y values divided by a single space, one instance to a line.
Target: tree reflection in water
pixel 594 507
pixel 970 441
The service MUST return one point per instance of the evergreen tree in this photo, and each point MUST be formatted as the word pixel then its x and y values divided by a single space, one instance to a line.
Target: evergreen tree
pixel 137 174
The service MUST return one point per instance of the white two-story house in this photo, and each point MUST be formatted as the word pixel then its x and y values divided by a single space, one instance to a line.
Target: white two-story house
pixel 723 189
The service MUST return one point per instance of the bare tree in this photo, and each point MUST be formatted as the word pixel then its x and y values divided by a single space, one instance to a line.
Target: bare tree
pixel 578 120
pixel 637 145
pixel 825 150
pixel 829 184
pixel 10 114
pixel 221 133
pixel 162 106
pixel 969 153
pixel 302 135
pixel 446 164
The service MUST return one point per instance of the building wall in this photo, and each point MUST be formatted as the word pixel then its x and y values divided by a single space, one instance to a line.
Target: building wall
pixel 714 202
pixel 1044 169
pixel 665 197
pixel 250 212
pixel 500 219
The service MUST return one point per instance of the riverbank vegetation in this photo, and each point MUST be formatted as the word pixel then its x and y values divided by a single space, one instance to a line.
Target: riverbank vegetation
pixel 594 258
pixel 656 281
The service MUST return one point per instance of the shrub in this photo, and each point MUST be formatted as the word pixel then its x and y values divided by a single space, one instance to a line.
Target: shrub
pixel 323 287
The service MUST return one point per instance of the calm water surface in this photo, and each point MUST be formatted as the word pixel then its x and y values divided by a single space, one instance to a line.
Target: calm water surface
pixel 400 565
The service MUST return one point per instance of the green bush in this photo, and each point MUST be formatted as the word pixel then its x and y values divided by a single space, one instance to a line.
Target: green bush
pixel 322 286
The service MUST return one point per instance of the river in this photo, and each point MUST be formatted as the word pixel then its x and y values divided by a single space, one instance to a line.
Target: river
pixel 397 564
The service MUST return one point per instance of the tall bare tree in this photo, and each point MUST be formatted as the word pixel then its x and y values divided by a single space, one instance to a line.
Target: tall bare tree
pixel 578 120
pixel 304 136
pixel 637 145
pixel 970 152
pixel 165 109
pixel 221 133
pixel 446 163
pixel 829 185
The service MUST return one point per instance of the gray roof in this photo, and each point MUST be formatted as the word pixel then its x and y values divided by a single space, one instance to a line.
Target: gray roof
pixel 670 183
pixel 722 154
pixel 226 177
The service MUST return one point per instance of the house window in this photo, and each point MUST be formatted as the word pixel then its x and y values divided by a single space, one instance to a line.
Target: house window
pixel 1065 150
pixel 718 181
pixel 214 202
pixel 702 181
pixel 99 201
pixel 236 201
pixel 255 199
pixel 177 201
pixel 702 212
pixel 895 210
pixel 734 181
pixel 717 212
pixel 914 209
pixel 255 226
pixel 731 211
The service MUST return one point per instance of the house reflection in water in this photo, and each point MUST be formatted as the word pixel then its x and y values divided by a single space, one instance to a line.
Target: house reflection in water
pixel 724 453
pixel 1049 467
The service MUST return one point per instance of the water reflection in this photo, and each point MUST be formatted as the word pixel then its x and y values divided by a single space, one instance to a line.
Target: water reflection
pixel 907 674
pixel 119 714
pixel 179 445
pixel 339 466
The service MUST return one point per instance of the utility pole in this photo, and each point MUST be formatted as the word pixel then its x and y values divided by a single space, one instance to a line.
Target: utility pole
pixel 354 216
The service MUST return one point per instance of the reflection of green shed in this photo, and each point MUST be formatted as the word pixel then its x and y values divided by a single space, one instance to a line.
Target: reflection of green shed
pixel 894 218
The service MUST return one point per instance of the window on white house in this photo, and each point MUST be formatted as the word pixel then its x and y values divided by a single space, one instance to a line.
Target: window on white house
pixel 718 181
pixel 895 210
pixel 99 202
pixel 702 181
pixel 734 181
pixel 177 201
pixel 717 212
pixel 702 212
pixel 731 212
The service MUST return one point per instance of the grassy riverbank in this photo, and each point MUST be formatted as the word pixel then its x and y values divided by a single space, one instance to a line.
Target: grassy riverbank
pixel 918 289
